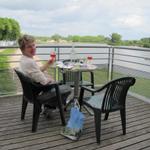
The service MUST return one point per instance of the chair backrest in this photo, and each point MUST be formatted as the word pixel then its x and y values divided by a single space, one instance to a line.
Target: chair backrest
pixel 27 86
pixel 69 76
pixel 115 94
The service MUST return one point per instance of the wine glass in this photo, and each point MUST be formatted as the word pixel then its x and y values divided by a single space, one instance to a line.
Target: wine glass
pixel 53 55
pixel 52 58
pixel 89 60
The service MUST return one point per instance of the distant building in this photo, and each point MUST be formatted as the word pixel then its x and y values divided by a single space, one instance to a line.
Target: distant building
pixel 7 43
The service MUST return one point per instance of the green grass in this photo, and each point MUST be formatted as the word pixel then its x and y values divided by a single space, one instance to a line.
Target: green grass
pixel 100 76
pixel 7 85
pixel 141 87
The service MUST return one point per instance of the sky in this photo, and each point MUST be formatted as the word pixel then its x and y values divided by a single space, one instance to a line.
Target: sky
pixel 129 18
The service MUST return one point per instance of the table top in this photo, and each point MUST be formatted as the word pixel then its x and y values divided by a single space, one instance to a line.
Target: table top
pixel 76 66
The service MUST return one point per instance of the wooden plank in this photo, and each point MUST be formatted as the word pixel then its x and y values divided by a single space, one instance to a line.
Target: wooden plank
pixel 15 134
pixel 108 124
pixel 146 148
pixel 57 139
pixel 139 145
pixel 5 120
pixel 127 142
pixel 134 131
pixel 57 127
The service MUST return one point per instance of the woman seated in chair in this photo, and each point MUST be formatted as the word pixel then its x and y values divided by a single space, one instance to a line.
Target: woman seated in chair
pixel 30 68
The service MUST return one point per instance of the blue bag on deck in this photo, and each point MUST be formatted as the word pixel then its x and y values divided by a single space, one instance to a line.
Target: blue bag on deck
pixel 75 123
pixel 76 119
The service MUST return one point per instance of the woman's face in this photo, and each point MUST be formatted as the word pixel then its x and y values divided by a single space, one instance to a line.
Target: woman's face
pixel 30 49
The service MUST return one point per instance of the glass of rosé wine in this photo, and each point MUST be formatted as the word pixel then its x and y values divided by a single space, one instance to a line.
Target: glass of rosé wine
pixel 89 60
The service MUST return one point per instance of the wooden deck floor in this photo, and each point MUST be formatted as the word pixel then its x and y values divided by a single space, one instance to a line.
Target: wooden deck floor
pixel 16 134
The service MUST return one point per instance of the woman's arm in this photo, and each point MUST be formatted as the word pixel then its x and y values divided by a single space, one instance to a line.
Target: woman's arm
pixel 47 64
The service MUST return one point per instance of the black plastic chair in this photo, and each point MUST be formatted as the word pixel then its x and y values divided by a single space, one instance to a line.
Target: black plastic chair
pixel 69 77
pixel 111 97
pixel 35 93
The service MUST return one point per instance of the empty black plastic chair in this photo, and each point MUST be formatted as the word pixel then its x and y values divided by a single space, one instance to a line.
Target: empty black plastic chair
pixel 109 98
pixel 69 76
pixel 34 93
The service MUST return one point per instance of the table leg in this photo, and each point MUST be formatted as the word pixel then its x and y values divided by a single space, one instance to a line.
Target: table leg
pixel 76 84
pixel 76 88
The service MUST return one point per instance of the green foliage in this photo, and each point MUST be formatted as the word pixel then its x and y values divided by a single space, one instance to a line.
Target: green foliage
pixel 7 84
pixel 88 38
pixel 56 37
pixel 146 45
pixel 115 39
pixel 76 38
pixel 9 29
pixel 145 42
pixel 4 58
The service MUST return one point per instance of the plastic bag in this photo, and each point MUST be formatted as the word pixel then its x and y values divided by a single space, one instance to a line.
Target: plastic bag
pixel 75 123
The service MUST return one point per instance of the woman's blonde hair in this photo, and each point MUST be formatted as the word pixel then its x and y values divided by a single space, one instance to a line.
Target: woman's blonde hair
pixel 24 40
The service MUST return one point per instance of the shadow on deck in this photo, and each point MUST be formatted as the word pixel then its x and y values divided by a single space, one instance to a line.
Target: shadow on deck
pixel 16 134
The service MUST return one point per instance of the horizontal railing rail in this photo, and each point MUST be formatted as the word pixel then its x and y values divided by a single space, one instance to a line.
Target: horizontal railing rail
pixel 111 57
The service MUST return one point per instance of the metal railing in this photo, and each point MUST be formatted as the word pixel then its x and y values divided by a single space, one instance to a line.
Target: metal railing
pixel 113 61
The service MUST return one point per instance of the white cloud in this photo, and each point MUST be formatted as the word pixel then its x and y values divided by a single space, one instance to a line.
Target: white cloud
pixel 131 21
pixel 46 17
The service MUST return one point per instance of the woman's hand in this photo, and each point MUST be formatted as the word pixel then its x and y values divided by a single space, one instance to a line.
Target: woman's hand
pixel 51 61
pixel 50 80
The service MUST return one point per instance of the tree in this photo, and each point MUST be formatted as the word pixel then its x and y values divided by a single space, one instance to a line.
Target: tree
pixel 76 38
pixel 15 29
pixel 9 29
pixel 145 42
pixel 2 28
pixel 115 39
pixel 56 37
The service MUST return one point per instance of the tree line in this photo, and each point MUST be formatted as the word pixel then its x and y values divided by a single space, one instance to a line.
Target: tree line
pixel 9 29
pixel 114 39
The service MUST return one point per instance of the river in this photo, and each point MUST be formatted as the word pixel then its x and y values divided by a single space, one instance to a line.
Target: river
pixel 100 56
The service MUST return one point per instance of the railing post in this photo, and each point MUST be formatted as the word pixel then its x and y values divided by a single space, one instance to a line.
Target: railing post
pixel 56 69
pixel 110 63
pixel 108 68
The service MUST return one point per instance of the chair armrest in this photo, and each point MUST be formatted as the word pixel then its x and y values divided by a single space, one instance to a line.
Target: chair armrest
pixel 88 89
pixel 44 87
pixel 92 78
pixel 93 90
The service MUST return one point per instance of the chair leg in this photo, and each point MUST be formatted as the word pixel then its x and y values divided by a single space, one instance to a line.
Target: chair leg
pixel 36 114
pixel 81 97
pixel 62 114
pixel 106 116
pixel 97 118
pixel 60 106
pixel 92 88
pixel 123 120
pixel 92 81
pixel 24 107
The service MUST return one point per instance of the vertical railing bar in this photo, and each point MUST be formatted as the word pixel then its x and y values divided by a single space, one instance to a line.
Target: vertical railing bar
pixel 110 65
pixel 57 70
pixel 111 61
pixel 112 68
pixel 109 51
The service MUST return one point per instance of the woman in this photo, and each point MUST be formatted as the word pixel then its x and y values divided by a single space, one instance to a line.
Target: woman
pixel 29 67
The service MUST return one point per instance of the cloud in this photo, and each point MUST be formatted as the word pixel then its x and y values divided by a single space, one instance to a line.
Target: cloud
pixel 47 17
pixel 130 21
pixel 32 4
